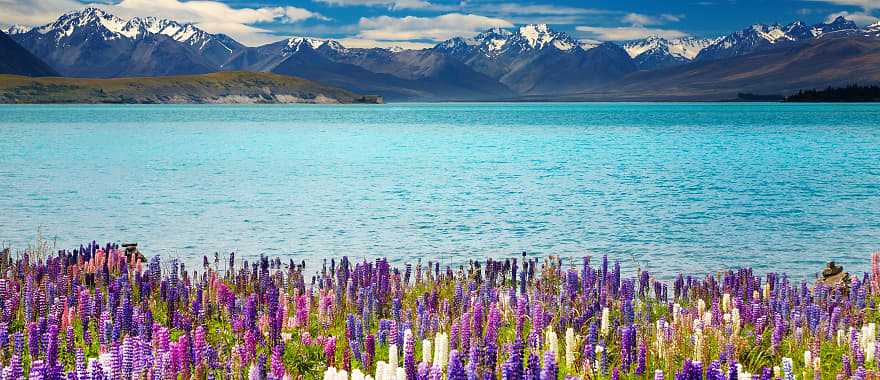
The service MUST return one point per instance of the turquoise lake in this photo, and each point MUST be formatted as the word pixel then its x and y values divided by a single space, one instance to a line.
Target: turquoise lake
pixel 670 187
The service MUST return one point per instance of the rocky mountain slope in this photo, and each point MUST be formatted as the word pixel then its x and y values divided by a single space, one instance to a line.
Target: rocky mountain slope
pixel 16 60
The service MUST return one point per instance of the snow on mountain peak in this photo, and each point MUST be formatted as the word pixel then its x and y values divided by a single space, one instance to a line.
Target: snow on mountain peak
pixel 685 47
pixel 539 35
pixel 68 23
pixel 112 27
pixel 15 29
pixel 295 43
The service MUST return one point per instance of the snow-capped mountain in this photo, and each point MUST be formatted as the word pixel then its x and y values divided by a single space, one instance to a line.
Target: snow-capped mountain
pixel 536 58
pixel 655 51
pixel 762 37
pixel 498 42
pixel 533 60
pixel 93 42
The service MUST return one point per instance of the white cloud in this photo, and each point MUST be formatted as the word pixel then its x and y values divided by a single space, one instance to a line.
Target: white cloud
pixel 625 33
pixel 217 17
pixel 34 12
pixel 860 18
pixel 638 19
pixel 212 16
pixel 864 4
pixel 364 43
pixel 390 4
pixel 535 13
pixel 638 28
pixel 409 28
pixel 526 9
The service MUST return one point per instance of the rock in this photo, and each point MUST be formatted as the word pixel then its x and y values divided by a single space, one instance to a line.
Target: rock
pixel 834 276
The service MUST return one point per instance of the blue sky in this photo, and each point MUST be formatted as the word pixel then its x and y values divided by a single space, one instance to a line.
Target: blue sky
pixel 418 23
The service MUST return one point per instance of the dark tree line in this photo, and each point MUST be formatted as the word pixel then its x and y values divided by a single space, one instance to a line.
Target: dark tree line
pixel 851 93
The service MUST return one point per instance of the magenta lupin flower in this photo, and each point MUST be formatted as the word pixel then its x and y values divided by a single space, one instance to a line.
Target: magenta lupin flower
pixel 277 362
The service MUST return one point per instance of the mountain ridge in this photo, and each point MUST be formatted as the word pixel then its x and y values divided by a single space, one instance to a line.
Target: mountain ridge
pixel 531 60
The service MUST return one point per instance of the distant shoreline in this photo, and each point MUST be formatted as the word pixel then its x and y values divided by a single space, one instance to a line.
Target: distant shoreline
pixel 214 88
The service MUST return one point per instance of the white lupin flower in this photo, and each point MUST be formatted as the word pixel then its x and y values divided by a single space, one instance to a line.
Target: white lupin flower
pixel 840 337
pixel 735 321
pixel 808 358
pixel 381 370
pixel 441 349
pixel 606 321
pixel 698 343
pixel 741 373
pixel 569 346
pixel 342 375
pixel 552 341
pixel 389 373
pixel 598 355
pixel 725 302
pixel 868 341
pixel 766 290
pixel 676 312
pixel 392 356
pixel 701 307
pixel 356 374
pixel 658 343
pixel 329 374
pixel 426 350
pixel 401 373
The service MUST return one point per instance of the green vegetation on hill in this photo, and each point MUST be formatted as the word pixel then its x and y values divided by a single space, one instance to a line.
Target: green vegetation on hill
pixel 220 88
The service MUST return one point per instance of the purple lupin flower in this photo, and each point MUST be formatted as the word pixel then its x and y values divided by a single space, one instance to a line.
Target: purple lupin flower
pixel 456 366
pixel 642 358
pixel 37 370
pixel 33 340
pixel 69 339
pixel 423 371
pixel 369 350
pixel 436 373
pixel 199 345
pixel 550 371
pixel 330 350
pixel 409 356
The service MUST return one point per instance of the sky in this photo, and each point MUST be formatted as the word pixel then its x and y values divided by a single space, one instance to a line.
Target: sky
pixel 423 23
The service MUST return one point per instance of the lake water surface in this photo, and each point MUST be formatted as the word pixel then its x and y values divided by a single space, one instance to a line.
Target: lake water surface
pixel 673 187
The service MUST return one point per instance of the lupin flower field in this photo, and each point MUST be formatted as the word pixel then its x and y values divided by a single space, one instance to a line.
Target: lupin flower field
pixel 97 312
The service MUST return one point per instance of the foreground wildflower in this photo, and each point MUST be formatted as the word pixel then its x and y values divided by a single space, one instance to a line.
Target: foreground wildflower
pixel 96 313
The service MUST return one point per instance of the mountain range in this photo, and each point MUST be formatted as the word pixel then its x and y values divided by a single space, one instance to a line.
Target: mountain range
pixel 531 61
